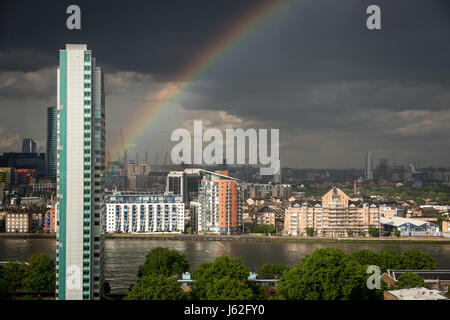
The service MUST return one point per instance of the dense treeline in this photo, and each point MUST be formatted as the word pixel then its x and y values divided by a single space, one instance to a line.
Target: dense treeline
pixel 326 274
pixel 37 277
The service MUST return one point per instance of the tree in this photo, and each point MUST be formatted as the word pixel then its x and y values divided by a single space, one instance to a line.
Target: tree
pixel 165 262
pixel 40 274
pixel 365 257
pixel 415 259
pixel 156 287
pixel 373 231
pixel 350 233
pixel 419 201
pixel 309 231
pixel 397 233
pixel 264 228
pixel 271 269
pixel 410 280
pixel 326 274
pixel 11 280
pixel 211 274
pixel 389 259
pixel 228 288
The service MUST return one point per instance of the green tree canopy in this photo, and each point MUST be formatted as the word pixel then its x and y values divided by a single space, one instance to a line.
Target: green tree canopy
pixel 410 280
pixel 374 232
pixel 264 228
pixel 156 287
pixel 415 259
pixel 40 274
pixel 165 262
pixel 12 274
pixel 228 288
pixel 365 257
pixel 389 260
pixel 211 274
pixel 309 231
pixel 326 274
pixel 271 269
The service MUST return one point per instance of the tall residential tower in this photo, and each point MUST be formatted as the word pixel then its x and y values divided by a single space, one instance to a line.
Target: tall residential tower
pixel 80 175
pixel 50 163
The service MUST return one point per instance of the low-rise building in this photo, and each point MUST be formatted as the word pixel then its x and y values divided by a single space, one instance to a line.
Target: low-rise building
pixel 410 227
pixel 434 279
pixel 18 222
pixel 446 225
pixel 49 219
pixel 271 215
pixel 414 294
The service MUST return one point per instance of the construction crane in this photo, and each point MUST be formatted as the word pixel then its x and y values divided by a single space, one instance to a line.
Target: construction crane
pixel 156 159
pixel 124 154
pixel 108 156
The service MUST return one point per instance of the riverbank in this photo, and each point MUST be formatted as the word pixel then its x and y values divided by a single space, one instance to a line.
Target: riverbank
pixel 244 238
pixel 252 238
pixel 28 235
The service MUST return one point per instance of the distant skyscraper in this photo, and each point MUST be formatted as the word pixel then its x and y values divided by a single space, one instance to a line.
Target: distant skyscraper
pixel 50 163
pixel 28 146
pixel 277 176
pixel 368 174
pixel 80 175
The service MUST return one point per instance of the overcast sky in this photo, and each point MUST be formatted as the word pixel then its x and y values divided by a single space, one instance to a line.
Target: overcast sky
pixel 334 88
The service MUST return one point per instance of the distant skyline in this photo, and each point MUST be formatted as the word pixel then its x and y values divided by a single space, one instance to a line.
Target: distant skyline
pixel 334 88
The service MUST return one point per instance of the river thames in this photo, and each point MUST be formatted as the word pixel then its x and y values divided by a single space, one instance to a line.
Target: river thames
pixel 123 257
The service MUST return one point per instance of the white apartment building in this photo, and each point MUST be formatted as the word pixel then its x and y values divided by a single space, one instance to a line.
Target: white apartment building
pixel 144 212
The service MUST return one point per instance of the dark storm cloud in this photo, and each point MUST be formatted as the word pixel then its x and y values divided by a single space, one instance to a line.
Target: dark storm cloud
pixel 314 71
pixel 144 36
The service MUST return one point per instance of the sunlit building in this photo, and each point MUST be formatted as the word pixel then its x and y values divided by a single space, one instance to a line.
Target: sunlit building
pixel 218 209
pixel 80 175
pixel 130 212
pixel 336 215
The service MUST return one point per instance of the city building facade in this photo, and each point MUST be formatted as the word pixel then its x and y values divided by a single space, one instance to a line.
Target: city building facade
pixel 218 209
pixel 49 219
pixel 17 222
pixel 130 212
pixel 80 175
pixel 51 156
pixel 336 215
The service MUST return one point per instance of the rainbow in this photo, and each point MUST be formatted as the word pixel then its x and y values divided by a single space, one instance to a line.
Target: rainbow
pixel 212 54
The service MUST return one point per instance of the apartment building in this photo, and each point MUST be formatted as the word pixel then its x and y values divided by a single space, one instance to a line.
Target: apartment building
pixel 144 212
pixel 17 222
pixel 218 208
pixel 49 219
pixel 336 215
pixel 80 175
